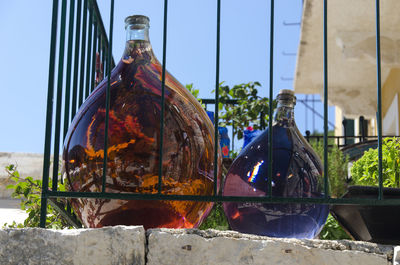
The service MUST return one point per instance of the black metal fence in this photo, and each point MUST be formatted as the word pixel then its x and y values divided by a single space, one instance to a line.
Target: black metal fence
pixel 86 52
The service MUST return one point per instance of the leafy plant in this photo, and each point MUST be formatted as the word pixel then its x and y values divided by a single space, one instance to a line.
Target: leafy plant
pixel 250 110
pixel 195 93
pixel 337 168
pixel 332 230
pixel 216 219
pixel 319 137
pixel 337 172
pixel 29 191
pixel 365 170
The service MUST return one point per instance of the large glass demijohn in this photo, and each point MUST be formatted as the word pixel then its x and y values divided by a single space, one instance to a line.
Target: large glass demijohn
pixel 296 172
pixel 134 142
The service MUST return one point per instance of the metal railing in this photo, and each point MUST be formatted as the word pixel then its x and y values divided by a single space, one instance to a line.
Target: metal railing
pixel 340 141
pixel 87 49
pixel 91 50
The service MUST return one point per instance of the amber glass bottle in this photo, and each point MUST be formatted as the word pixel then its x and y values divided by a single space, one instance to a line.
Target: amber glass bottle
pixel 134 142
pixel 296 172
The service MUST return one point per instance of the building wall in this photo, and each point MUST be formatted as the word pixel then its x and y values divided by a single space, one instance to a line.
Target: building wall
pixel 338 121
pixel 391 91
pixel 390 108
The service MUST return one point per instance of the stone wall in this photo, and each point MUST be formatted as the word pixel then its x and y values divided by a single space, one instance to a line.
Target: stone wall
pixel 132 245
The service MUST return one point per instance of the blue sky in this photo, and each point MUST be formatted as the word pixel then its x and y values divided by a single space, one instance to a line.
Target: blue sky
pixel 24 54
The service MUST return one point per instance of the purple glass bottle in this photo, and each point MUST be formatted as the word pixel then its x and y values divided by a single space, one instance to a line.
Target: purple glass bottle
pixel 296 172
pixel 134 144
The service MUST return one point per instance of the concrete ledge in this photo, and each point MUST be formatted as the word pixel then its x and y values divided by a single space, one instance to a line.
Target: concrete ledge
pixel 167 246
pixel 110 245
pixel 132 245
pixel 396 256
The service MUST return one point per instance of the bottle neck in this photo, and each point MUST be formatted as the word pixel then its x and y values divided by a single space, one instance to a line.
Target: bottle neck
pixel 137 43
pixel 137 32
pixel 284 115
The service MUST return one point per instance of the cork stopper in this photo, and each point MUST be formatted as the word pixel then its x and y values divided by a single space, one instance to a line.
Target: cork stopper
pixel 137 20
pixel 286 95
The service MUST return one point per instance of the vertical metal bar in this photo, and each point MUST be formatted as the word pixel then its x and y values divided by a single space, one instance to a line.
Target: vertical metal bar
pixel 271 95
pixel 102 29
pixel 100 49
pixel 162 97
pixel 103 189
pixel 83 52
pixel 57 133
pixel 233 136
pixel 106 66
pixel 49 116
pixel 379 98
pixel 313 116
pixel 262 121
pixel 306 113
pixel 89 53
pixel 93 75
pixel 216 117
pixel 69 66
pixel 326 184
pixel 76 58
pixel 103 65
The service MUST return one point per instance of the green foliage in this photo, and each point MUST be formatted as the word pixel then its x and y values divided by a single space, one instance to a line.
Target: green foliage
pixel 332 230
pixel 337 172
pixel 195 93
pixel 337 168
pixel 29 191
pixel 365 170
pixel 216 219
pixel 247 110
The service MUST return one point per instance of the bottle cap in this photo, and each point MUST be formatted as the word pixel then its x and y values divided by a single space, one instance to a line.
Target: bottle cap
pixel 286 95
pixel 137 19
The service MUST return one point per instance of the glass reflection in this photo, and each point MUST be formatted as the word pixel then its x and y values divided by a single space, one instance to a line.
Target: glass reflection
pixel 296 172
pixel 133 144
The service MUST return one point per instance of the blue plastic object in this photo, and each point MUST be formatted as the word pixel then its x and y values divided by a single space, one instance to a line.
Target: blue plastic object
pixel 250 135
pixel 224 140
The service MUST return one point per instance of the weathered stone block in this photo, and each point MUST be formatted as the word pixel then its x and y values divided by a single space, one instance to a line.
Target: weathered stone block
pixel 396 256
pixel 109 245
pixel 166 246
